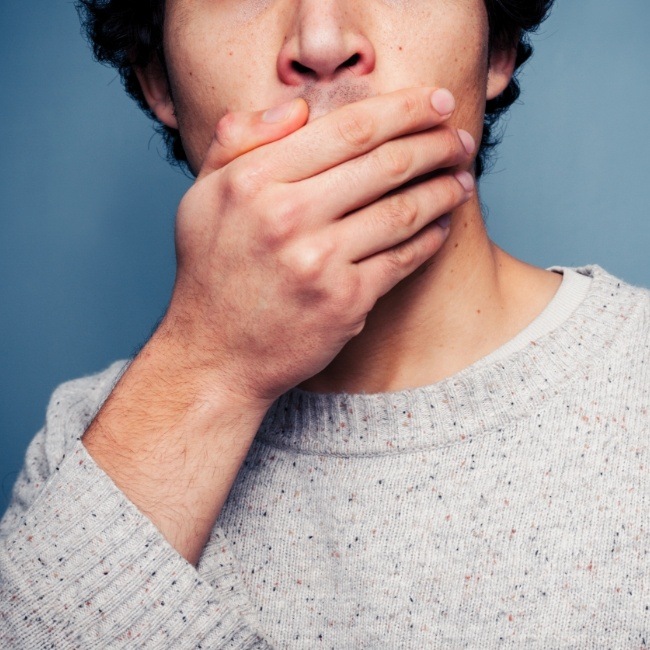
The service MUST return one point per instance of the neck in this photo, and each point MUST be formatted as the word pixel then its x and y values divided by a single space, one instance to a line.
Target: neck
pixel 465 302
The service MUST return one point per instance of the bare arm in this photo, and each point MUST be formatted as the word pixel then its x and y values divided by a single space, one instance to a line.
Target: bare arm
pixel 173 444
pixel 276 272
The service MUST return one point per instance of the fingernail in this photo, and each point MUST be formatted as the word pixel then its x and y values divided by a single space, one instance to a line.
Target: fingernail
pixel 279 113
pixel 467 140
pixel 443 101
pixel 444 222
pixel 465 179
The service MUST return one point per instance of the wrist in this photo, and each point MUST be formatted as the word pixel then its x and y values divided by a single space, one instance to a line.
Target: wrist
pixel 197 373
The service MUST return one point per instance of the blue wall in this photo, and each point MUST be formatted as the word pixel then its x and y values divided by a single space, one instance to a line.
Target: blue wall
pixel 88 202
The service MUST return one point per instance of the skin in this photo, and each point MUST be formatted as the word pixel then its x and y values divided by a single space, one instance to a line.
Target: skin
pixel 393 40
pixel 471 297
pixel 309 251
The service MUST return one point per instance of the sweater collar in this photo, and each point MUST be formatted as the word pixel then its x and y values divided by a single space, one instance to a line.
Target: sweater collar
pixel 482 398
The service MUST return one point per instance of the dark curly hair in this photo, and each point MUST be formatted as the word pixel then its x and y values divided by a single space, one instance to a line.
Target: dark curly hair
pixel 128 34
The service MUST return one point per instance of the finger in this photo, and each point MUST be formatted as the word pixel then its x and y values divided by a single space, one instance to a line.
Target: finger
pixel 355 129
pixel 240 132
pixel 396 218
pixel 365 179
pixel 382 271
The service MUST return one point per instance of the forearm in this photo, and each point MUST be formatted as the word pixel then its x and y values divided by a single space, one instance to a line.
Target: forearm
pixel 173 440
pixel 82 566
pixel 271 284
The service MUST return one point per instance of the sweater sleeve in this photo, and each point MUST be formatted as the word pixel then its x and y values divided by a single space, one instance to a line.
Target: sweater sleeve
pixel 82 567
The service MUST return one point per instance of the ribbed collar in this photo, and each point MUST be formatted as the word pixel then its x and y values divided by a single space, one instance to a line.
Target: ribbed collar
pixel 484 397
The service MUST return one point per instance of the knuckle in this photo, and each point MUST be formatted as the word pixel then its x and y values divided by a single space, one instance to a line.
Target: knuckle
pixel 400 210
pixel 396 162
pixel 281 223
pixel 358 328
pixel 402 257
pixel 306 262
pixel 224 132
pixel 348 294
pixel 411 108
pixel 356 129
pixel 242 182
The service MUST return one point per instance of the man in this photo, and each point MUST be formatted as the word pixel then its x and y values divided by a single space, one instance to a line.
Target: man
pixel 360 423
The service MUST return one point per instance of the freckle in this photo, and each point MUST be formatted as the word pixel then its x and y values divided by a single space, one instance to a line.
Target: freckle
pixel 230 53
pixel 400 48
pixel 466 224
pixel 478 311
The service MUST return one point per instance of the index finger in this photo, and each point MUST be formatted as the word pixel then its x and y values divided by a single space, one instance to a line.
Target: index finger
pixel 353 130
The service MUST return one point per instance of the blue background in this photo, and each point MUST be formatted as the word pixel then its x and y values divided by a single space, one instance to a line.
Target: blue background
pixel 88 202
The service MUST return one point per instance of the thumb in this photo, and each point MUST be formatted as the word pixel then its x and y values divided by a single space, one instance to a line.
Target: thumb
pixel 240 132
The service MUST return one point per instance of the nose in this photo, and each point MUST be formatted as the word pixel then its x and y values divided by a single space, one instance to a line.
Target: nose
pixel 323 43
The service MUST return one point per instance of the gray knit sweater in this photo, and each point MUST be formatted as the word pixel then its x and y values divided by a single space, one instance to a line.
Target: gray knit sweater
pixel 505 507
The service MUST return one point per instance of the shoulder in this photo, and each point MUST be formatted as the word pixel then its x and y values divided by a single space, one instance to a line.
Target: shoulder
pixel 603 280
pixel 615 317
pixel 612 301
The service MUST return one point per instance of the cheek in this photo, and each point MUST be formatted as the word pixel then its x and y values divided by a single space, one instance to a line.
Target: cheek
pixel 194 104
pixel 449 49
pixel 441 39
pixel 211 73
pixel 200 93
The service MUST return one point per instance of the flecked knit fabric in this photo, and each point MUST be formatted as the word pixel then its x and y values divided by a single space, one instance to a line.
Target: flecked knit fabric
pixel 505 507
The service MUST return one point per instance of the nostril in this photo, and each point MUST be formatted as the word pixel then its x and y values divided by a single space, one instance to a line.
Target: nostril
pixel 351 62
pixel 300 68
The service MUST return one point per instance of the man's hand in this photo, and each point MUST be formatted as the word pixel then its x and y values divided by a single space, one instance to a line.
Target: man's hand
pixel 289 236
pixel 284 247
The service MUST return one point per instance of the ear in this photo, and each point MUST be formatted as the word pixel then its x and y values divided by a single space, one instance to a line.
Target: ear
pixel 155 89
pixel 502 67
